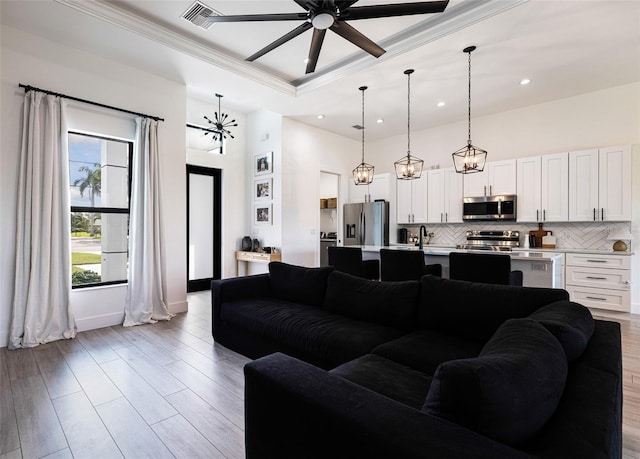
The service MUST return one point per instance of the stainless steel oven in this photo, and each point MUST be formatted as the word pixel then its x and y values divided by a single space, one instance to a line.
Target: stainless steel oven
pixel 500 207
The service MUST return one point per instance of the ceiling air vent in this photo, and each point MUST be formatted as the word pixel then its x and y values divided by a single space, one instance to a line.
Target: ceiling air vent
pixel 198 13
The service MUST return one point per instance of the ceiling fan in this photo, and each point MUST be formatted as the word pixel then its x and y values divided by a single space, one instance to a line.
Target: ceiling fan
pixel 333 14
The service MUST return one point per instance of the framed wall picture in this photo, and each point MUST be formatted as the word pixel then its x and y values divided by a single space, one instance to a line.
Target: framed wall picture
pixel 263 189
pixel 262 214
pixel 263 163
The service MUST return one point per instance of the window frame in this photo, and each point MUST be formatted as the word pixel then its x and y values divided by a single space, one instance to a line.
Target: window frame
pixel 106 210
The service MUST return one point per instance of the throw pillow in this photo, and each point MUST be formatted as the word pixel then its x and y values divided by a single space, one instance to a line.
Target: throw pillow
pixel 571 323
pixel 386 303
pixel 298 283
pixel 510 391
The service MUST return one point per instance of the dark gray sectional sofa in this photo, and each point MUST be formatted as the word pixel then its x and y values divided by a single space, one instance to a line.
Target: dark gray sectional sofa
pixel 352 368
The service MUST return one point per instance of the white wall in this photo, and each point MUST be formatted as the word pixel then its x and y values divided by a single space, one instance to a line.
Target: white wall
pixel 234 177
pixel 306 151
pixel 31 60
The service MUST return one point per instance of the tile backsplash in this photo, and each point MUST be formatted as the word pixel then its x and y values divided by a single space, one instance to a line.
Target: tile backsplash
pixel 590 235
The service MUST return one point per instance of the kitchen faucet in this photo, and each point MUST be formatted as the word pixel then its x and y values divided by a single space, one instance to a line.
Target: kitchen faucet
pixel 420 245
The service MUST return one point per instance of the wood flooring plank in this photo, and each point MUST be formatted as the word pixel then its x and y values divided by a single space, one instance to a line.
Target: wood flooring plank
pixel 184 440
pixel 94 382
pixel 96 346
pixel 21 364
pixel 155 351
pixel 226 436
pixel 57 375
pixel 15 454
pixel 219 397
pixel 69 346
pixel 132 434
pixel 62 454
pixel 151 406
pixel 40 431
pixel 151 372
pixel 9 438
pixel 113 339
pixel 220 371
pixel 86 434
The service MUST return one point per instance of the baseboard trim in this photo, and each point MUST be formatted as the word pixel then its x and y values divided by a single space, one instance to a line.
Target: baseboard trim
pixel 178 307
pixel 101 321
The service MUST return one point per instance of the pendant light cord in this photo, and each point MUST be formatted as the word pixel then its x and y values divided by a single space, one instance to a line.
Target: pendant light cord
pixel 469 102
pixel 409 112
pixel 363 89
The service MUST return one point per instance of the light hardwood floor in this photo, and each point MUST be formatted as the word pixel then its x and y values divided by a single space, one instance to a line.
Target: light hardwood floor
pixel 162 390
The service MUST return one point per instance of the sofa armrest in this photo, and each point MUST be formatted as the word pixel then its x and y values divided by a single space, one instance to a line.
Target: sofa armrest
pixel 293 410
pixel 237 288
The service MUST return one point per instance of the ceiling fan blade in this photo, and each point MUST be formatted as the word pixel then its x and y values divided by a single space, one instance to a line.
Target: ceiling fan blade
pixel 259 17
pixel 307 4
pixel 396 9
pixel 349 33
pixel 280 41
pixel 314 50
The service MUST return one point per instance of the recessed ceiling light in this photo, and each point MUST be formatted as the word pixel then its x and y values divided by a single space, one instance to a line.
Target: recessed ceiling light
pixel 525 81
pixel 441 104
pixel 320 117
pixel 379 121
pixel 306 60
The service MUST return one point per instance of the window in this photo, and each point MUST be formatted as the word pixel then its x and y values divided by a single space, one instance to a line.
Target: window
pixel 100 187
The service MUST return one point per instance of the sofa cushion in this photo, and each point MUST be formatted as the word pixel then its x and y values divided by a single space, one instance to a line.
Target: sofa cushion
pixel 510 391
pixel 387 303
pixel 474 310
pixel 424 350
pixel 325 336
pixel 299 284
pixel 388 378
pixel 571 323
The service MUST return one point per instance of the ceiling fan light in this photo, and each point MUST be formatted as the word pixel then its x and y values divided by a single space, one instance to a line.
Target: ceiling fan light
pixel 322 21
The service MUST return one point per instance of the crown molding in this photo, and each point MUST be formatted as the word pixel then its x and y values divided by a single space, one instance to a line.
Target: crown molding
pixel 113 14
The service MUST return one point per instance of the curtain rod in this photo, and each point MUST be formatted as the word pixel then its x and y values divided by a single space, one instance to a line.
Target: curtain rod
pixel 28 88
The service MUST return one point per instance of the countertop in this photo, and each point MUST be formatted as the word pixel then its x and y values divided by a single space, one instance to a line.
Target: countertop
pixel 446 250
pixel 522 249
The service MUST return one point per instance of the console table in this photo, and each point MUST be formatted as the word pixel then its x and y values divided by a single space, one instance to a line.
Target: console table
pixel 255 257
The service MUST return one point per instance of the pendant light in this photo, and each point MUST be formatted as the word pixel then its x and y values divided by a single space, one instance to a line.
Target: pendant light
pixel 469 159
pixel 409 167
pixel 363 173
pixel 220 130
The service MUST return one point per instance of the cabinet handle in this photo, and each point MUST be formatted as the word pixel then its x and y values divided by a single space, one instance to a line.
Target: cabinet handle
pixel 544 215
pixel 596 261
pixel 537 215
pixel 446 217
pixel 602 213
pixel 596 278
pixel 441 218
pixel 484 190
pixel 489 190
pixel 594 214
pixel 596 298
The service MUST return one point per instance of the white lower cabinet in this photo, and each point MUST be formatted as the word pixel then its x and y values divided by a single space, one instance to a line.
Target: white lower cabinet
pixel 599 281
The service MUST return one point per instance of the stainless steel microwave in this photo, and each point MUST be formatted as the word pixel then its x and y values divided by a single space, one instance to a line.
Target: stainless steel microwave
pixel 500 207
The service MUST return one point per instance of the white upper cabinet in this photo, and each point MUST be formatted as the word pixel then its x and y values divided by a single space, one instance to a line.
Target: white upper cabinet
pixel 555 188
pixel 378 189
pixel 543 190
pixel 411 204
pixel 600 184
pixel 498 177
pixel 445 196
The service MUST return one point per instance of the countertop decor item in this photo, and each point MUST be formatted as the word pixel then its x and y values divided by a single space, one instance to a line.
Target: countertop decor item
pixel 363 173
pixel 469 159
pixel 619 235
pixel 408 168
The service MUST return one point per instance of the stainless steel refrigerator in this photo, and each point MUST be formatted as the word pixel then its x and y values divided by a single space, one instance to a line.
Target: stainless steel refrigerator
pixel 366 223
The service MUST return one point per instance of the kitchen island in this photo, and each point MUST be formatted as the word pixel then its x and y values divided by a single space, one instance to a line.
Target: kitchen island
pixel 539 269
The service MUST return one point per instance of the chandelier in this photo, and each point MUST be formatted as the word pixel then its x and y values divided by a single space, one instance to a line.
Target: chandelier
pixel 220 130
pixel 363 173
pixel 409 167
pixel 469 159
